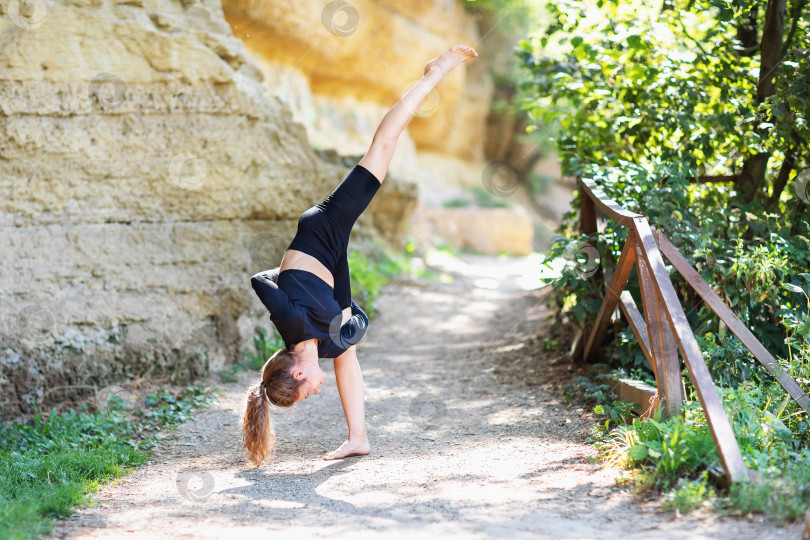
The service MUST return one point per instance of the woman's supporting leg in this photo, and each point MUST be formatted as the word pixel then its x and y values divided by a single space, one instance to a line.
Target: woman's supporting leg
pixel 352 396
pixel 399 116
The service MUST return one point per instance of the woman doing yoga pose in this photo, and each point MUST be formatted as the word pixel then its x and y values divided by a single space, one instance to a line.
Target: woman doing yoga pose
pixel 309 295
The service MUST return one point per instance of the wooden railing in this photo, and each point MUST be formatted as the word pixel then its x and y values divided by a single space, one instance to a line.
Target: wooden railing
pixel 663 330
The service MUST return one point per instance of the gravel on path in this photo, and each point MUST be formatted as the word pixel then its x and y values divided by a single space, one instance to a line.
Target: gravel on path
pixel 470 434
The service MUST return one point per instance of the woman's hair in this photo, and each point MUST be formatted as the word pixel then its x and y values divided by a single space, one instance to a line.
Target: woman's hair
pixel 277 387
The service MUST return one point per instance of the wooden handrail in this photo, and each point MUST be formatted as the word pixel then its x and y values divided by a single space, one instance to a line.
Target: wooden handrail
pixel 664 331
pixel 732 322
pixel 607 205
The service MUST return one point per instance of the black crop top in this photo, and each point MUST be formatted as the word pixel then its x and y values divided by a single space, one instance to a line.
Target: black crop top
pixel 302 306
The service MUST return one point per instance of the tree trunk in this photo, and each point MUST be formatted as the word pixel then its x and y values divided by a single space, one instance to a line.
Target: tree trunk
pixel 771 48
pixel 506 139
pixel 782 177
pixel 747 33
pixel 752 178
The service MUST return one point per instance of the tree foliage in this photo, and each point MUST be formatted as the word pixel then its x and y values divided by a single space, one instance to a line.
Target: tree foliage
pixel 674 84
pixel 652 99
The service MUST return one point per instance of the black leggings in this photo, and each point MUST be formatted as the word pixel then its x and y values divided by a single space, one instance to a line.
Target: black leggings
pixel 323 230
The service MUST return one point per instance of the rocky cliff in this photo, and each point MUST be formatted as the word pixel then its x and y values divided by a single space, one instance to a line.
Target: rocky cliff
pixel 145 175
pixel 340 65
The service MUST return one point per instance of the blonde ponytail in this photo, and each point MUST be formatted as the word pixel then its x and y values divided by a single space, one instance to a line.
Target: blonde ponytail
pixel 278 387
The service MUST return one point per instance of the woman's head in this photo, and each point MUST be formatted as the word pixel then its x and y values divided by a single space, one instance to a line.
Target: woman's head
pixel 306 369
pixel 287 377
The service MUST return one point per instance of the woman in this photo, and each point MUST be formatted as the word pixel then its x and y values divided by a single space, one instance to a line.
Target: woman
pixel 309 296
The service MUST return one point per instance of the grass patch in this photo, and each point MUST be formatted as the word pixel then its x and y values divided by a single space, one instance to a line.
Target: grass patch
pixel 477 197
pixel 677 456
pixel 783 491
pixel 51 463
pixel 689 495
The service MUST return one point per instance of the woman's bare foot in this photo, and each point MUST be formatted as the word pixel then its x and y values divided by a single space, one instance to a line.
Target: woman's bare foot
pixel 352 447
pixel 449 59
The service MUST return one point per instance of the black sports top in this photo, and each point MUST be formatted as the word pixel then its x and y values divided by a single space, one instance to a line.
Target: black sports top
pixel 306 309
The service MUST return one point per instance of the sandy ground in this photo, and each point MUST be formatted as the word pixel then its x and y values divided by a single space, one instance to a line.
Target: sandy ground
pixel 470 439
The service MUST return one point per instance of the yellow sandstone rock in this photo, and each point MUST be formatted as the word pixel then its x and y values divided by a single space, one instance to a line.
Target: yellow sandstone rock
pixel 145 175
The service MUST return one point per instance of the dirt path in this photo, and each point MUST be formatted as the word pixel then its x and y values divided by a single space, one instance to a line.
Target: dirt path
pixel 470 439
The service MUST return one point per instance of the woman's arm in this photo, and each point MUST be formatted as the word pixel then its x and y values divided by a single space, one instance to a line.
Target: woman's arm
pixel 274 299
pixel 352 397
pixel 353 328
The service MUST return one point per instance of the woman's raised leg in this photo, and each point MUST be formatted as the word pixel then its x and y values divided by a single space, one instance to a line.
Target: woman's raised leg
pixel 399 116
pixel 352 396
pixel 347 368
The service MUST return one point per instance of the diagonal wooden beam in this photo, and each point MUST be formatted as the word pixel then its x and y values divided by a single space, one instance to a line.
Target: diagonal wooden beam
pixel 636 321
pixel 723 434
pixel 662 344
pixel 620 275
pixel 733 323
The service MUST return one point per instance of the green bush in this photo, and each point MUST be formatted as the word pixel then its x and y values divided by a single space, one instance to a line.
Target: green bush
pixel 782 491
pixel 649 99
pixel 664 450
pixel 678 455
pixel 371 270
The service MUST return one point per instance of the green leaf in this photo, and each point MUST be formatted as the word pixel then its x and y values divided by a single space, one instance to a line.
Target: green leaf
pixel 634 41
pixel 638 452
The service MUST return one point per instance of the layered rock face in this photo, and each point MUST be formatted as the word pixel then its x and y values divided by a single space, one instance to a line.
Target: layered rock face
pixel 340 65
pixel 145 175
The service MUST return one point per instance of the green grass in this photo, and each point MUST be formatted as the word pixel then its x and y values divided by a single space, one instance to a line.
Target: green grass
pixel 677 456
pixel 690 494
pixel 782 491
pixel 51 464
